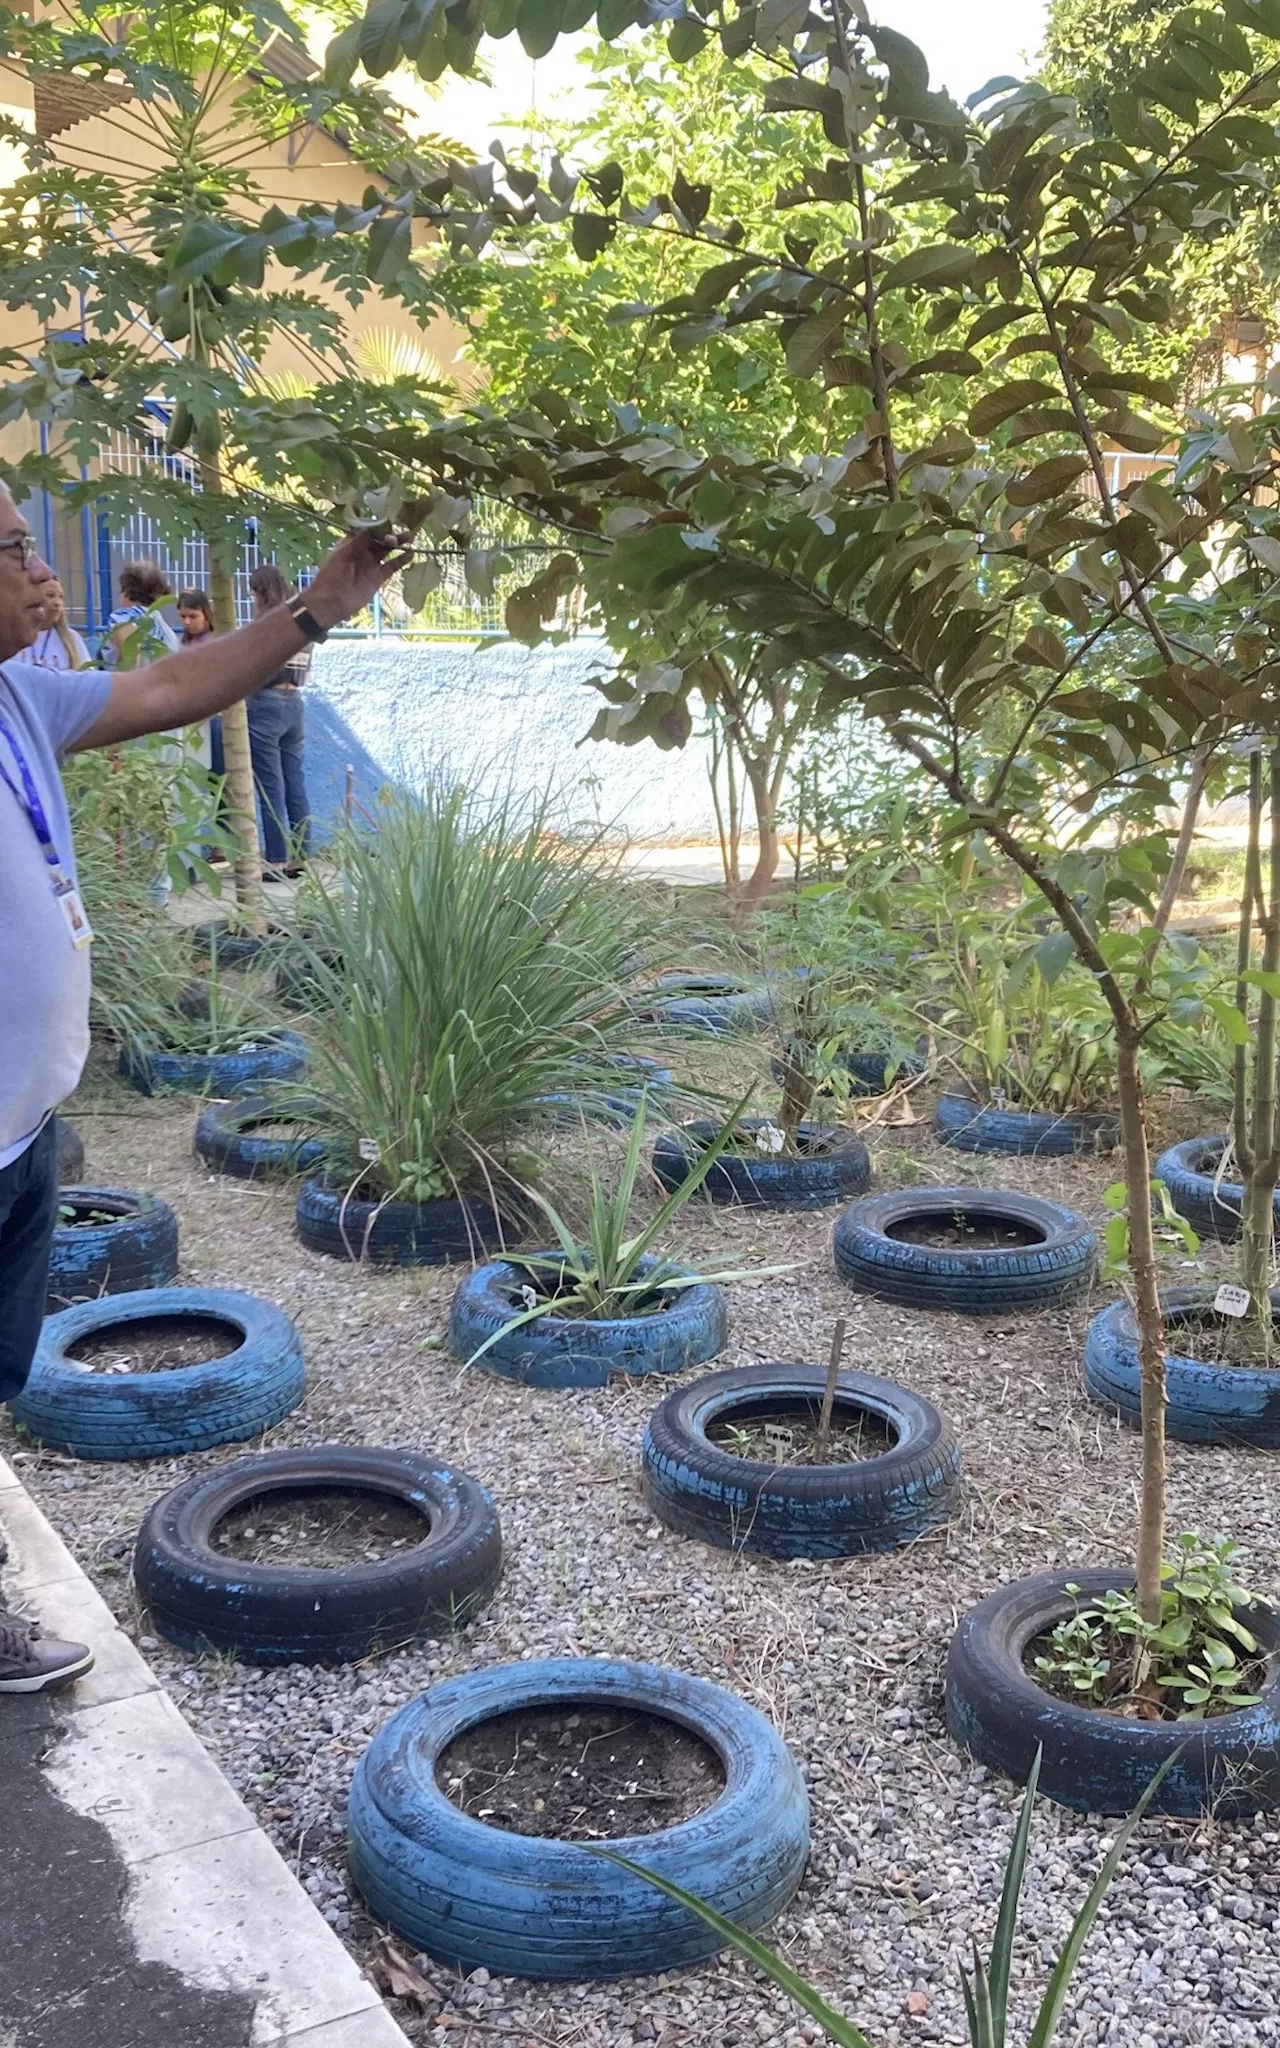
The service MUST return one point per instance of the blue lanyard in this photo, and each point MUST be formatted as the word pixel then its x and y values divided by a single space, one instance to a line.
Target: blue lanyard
pixel 29 797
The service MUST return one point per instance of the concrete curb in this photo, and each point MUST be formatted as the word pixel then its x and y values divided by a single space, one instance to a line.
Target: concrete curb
pixel 208 1895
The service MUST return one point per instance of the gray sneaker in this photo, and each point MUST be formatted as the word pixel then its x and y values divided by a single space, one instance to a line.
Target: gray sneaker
pixel 31 1661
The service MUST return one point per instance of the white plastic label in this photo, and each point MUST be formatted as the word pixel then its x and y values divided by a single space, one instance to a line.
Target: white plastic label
pixel 369 1151
pixel 1231 1300
pixel 780 1439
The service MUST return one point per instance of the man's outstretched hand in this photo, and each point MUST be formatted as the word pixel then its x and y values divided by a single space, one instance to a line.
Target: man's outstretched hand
pixel 350 576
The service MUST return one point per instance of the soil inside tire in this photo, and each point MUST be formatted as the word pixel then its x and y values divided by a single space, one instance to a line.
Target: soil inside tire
pixel 1213 1339
pixel 320 1528
pixel 960 1232
pixel 786 1433
pixel 583 1774
pixel 1250 1677
pixel 271 1127
pixel 157 1344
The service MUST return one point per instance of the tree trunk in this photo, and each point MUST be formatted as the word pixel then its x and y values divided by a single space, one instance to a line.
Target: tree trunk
pixel 1186 833
pixel 1146 1298
pixel 242 810
pixel 761 877
pixel 1260 1181
pixel 728 828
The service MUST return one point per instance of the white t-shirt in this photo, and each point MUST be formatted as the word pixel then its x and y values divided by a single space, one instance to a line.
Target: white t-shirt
pixel 50 652
pixel 44 980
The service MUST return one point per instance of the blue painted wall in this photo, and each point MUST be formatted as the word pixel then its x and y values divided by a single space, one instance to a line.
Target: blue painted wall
pixel 494 715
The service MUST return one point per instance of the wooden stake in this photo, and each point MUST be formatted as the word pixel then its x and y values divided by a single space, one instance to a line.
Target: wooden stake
pixel 829 1391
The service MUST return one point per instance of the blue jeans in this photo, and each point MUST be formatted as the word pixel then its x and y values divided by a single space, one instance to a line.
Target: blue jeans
pixel 275 742
pixel 28 1213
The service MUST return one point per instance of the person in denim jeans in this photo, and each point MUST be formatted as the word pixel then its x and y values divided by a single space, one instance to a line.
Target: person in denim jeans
pixel 276 744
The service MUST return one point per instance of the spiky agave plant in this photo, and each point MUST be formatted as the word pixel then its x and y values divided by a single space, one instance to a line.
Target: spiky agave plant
pixel 986 1987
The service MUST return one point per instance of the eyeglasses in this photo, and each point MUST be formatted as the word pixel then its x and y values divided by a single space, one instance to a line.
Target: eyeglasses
pixel 25 544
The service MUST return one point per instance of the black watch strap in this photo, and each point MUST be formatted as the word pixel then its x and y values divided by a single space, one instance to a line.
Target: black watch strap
pixel 305 621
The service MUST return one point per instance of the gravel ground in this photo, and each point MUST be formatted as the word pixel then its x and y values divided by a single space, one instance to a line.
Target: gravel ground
pixel 909 1838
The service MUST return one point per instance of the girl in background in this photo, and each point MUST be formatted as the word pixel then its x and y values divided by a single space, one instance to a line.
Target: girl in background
pixel 59 646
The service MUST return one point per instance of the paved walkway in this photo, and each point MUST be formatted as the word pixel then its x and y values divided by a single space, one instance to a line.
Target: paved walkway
pixel 140 1903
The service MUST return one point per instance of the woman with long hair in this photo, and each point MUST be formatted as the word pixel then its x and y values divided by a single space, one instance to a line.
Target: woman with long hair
pixel 136 634
pixel 195 615
pixel 276 743
pixel 59 646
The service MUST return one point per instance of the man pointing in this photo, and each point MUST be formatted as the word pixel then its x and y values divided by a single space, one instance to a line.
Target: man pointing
pixel 44 935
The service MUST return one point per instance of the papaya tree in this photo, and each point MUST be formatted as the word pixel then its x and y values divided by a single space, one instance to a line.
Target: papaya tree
pixel 166 274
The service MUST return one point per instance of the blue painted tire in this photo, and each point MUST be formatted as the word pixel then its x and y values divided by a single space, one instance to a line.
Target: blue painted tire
pixel 138 1249
pixel 398 1233
pixel 608 1104
pixel 1059 1266
pixel 870 1073
pixel 967 1126
pixel 1206 1404
pixel 282 1056
pixel 1188 1170
pixel 168 1413
pixel 226 1142
pixel 70 1152
pixel 474 1896
pixel 234 949
pixel 1102 1762
pixel 568 1351
pixel 206 1601
pixel 868 1504
pixel 717 1003
pixel 815 1180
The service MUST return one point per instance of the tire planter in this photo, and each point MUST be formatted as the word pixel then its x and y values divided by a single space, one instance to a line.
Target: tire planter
pixel 399 1233
pixel 718 1003
pixel 138 1249
pixel 1188 1170
pixel 168 1413
pixel 870 1073
pixel 609 1104
pixel 279 1056
pixel 1099 1762
pixel 226 1141
pixel 473 1896
pixel 70 1152
pixel 567 1351
pixel 214 939
pixel 206 1601
pixel 969 1126
pixel 832 1510
pixel 294 983
pixel 1206 1404
pixel 1057 1267
pixel 761 1180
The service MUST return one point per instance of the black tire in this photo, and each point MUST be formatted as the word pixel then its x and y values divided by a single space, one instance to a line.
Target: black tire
pixel 1188 1171
pixel 162 1414
pixel 207 1601
pixel 214 938
pixel 837 1167
pixel 1206 1404
pixel 718 1003
pixel 152 1070
pixel 475 1895
pixel 565 1351
pixel 969 1126
pixel 869 1073
pixel 399 1233
pixel 138 1249
pixel 1102 1762
pixel 1058 1267
pixel 226 1142
pixel 798 1510
pixel 70 1151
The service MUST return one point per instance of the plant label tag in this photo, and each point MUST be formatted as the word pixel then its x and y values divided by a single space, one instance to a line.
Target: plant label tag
pixel 781 1439
pixel 1231 1300
pixel 369 1151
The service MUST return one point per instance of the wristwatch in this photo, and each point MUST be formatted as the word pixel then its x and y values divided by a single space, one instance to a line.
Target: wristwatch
pixel 306 622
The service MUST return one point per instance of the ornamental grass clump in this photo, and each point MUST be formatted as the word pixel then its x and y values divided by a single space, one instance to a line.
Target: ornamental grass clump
pixel 468 964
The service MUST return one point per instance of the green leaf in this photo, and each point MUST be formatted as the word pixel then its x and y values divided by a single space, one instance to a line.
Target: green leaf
pixel 1227 1015
pixel 1054 954
pixel 1263 978
pixel 390 243
pixel 1047 480
pixel 1007 1921
pixel 815 338
pixel 592 234
pixel 538 25
pixel 842 2031
pixel 1000 405
pixel 685 40
pixel 936 267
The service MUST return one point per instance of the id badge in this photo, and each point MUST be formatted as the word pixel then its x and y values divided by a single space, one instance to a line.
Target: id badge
pixel 72 908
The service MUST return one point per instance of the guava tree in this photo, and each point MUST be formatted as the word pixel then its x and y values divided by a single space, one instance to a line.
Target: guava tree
pixel 168 271
pixel 962 547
